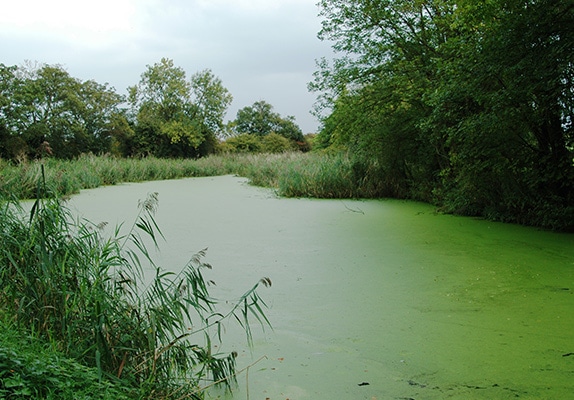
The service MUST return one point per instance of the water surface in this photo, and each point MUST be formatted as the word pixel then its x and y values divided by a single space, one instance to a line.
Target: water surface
pixel 372 299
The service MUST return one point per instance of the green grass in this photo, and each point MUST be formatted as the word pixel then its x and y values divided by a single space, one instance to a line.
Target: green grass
pixel 66 287
pixel 30 368
pixel 317 174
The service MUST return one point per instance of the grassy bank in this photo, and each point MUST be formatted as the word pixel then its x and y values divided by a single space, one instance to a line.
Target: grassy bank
pixel 292 174
pixel 313 174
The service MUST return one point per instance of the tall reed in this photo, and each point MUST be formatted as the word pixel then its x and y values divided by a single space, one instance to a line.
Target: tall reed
pixel 295 174
pixel 64 282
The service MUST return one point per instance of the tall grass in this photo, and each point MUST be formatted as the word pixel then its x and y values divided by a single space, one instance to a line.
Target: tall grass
pixel 291 174
pixel 320 175
pixel 66 284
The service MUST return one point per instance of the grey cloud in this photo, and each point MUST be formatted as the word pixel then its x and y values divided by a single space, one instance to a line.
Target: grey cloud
pixel 259 55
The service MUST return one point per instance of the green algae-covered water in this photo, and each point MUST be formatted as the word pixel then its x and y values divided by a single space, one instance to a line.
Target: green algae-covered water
pixel 371 299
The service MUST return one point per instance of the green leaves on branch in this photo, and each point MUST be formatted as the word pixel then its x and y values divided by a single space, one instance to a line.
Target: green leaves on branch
pixel 466 104
pixel 178 131
pixel 260 120
pixel 175 116
pixel 44 111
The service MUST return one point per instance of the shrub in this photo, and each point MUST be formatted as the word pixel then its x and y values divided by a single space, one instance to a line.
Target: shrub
pixel 244 143
pixel 274 143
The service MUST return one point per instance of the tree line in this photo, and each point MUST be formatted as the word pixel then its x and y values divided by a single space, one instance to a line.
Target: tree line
pixel 465 104
pixel 46 112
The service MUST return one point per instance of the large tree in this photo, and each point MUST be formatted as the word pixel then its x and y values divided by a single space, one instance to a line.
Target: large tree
pixel 174 116
pixel 9 146
pixel 465 103
pixel 43 108
pixel 260 119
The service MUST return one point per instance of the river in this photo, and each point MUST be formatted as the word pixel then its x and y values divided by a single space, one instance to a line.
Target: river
pixel 371 299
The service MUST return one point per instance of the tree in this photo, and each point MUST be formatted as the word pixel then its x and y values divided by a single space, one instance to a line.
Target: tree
pixel 243 143
pixel 275 143
pixel 8 84
pixel 506 101
pixel 260 119
pixel 288 128
pixel 176 117
pixel 158 103
pixel 210 99
pixel 47 110
pixel 210 102
pixel 98 112
pixel 42 106
pixel 376 90
pixel 468 103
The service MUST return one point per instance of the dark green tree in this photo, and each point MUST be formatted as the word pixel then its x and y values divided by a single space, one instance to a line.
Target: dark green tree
pixel 467 104
pixel 8 88
pixel 43 110
pixel 260 119
pixel 97 110
pixel 175 117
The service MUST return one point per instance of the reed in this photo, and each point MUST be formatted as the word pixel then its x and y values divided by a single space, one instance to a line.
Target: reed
pixel 292 174
pixel 65 283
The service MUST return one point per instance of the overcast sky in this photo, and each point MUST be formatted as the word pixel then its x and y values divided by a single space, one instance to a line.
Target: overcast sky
pixel 261 49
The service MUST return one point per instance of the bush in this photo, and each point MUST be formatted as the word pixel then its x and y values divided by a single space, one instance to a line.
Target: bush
pixel 274 143
pixel 244 143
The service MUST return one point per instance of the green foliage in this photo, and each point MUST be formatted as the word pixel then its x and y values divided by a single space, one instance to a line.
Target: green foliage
pixel 88 171
pixel 31 369
pixel 275 143
pixel 211 100
pixel 260 120
pixel 44 111
pixel 322 176
pixel 257 119
pixel 248 143
pixel 86 294
pixel 465 104
pixel 329 173
pixel 296 174
pixel 244 143
pixel 317 174
pixel 175 117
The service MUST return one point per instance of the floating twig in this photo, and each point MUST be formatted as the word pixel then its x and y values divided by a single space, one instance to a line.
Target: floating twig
pixel 357 210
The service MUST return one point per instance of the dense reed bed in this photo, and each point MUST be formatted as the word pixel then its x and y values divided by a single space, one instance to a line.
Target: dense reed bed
pixel 291 174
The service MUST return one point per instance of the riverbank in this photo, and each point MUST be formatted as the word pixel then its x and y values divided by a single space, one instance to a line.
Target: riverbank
pixel 314 175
